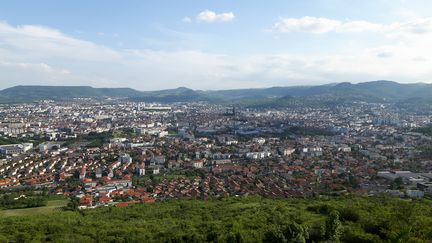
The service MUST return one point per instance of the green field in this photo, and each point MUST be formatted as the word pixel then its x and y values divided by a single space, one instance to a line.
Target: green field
pixel 52 206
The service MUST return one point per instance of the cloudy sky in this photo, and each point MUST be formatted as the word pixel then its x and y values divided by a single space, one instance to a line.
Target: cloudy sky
pixel 220 44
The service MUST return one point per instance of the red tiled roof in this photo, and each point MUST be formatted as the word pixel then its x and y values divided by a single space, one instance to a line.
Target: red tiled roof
pixel 124 204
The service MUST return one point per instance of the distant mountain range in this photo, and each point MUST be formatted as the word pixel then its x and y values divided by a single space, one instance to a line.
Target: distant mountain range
pixel 383 91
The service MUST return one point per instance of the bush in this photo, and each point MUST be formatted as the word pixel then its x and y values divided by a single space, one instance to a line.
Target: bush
pixel 349 214
pixel 324 209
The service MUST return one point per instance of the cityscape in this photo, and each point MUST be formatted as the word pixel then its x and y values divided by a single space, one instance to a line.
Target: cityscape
pixel 215 121
pixel 102 151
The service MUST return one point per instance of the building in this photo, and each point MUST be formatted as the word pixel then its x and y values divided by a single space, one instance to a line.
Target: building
pixel 140 169
pixel 125 159
pixel 197 164
pixel 11 149
pixel 99 172
pixel 415 193
pixel 44 147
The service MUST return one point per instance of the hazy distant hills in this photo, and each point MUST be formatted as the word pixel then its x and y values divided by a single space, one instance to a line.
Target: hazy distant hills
pixel 373 89
pixel 181 94
pixel 275 96
pixel 34 93
pixel 25 93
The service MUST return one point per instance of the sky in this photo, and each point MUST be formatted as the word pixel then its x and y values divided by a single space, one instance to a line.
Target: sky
pixel 212 45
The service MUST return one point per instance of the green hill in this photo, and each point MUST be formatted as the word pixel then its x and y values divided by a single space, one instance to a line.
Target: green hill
pixel 61 93
pixel 250 219
pixel 376 89
pixel 387 91
pixel 181 94
pixel 34 93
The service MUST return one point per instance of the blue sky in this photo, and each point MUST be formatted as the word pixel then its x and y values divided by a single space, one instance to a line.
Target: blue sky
pixel 200 44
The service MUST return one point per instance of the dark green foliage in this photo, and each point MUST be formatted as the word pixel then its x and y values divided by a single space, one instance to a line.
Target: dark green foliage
pixel 397 184
pixel 97 139
pixel 321 208
pixel 359 236
pixel 10 140
pixel 14 201
pixel 194 173
pixel 245 219
pixel 292 232
pixel 349 214
pixel 332 229
pixel 309 131
pixel 426 152
pixel 72 205
pixel 353 182
pixel 426 130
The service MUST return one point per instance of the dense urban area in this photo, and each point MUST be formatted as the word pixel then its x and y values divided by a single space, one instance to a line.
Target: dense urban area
pixel 203 121
pixel 109 154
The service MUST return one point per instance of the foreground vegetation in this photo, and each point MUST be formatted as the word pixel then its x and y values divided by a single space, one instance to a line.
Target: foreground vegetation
pixel 250 219
pixel 50 207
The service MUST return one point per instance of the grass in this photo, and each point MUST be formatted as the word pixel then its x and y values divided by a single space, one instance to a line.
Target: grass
pixel 52 206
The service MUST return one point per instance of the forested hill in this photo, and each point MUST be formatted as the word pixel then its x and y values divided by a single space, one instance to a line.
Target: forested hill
pixel 62 93
pixel 340 92
pixel 34 93
pixel 243 219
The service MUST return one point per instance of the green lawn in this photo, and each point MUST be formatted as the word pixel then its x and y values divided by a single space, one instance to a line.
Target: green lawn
pixel 52 206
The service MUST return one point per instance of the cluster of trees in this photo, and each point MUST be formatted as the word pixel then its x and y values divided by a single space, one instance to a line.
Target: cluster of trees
pixel 14 201
pixel 308 131
pixel 426 130
pixel 242 219
pixel 37 139
pixel 425 152
pixel 97 139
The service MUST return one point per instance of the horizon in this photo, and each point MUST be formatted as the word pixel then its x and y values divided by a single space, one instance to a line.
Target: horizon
pixel 210 45
pixel 211 90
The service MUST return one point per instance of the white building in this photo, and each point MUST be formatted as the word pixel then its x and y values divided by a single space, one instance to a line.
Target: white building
pixel 11 149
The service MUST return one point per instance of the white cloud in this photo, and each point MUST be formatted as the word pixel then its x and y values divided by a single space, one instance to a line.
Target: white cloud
pixel 42 42
pixel 13 73
pixel 37 67
pixel 187 19
pixel 41 55
pixel 318 25
pixel 212 17
pixel 322 25
pixel 416 26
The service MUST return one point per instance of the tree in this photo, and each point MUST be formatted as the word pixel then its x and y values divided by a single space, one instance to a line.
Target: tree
pixel 296 233
pixel 332 229
pixel 397 183
pixel 274 234
pixel 353 181
pixel 72 204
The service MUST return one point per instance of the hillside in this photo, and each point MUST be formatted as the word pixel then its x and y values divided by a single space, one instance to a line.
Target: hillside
pixel 387 91
pixel 34 93
pixel 250 219
pixel 180 94
pixel 367 90
pixel 61 93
